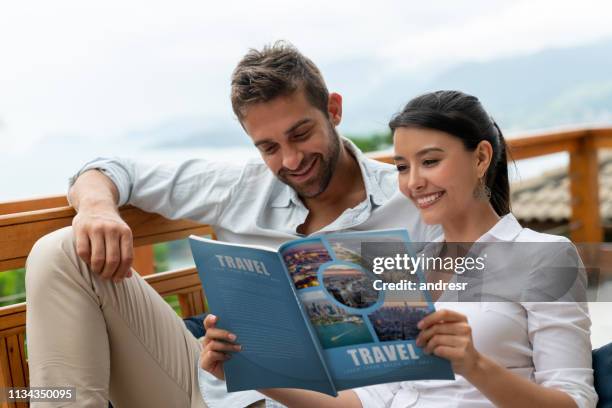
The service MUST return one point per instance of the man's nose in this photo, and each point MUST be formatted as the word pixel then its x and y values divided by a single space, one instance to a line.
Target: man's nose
pixel 292 158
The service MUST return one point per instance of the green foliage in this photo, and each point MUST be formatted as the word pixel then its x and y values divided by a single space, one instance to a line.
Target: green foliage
pixel 173 301
pixel 12 287
pixel 373 142
pixel 160 254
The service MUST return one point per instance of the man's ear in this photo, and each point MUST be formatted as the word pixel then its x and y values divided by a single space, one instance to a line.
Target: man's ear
pixel 334 108
pixel 484 156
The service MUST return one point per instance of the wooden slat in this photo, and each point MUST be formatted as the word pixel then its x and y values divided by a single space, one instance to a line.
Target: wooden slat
pixel 603 138
pixel 170 283
pixel 199 302
pixel 33 204
pixel 11 317
pixel 5 373
pixel 14 356
pixel 19 232
pixel 187 305
pixel 143 260
pixel 520 151
pixel 385 157
pixel 24 359
pixel 192 303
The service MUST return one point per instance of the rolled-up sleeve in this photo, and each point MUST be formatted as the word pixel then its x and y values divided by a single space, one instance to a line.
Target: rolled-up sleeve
pixel 560 330
pixel 194 189
pixel 560 335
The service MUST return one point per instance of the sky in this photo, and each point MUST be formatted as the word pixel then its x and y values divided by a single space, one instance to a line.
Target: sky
pixel 100 70
pixel 99 78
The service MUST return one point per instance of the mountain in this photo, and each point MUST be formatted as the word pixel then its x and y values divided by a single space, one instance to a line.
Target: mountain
pixel 549 88
pixel 192 131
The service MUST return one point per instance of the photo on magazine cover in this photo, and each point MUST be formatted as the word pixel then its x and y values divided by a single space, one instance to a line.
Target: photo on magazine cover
pixel 334 326
pixel 350 285
pixel 398 320
pixel 303 260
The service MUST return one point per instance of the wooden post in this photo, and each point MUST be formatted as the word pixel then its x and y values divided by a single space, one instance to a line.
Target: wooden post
pixel 585 222
pixel 144 262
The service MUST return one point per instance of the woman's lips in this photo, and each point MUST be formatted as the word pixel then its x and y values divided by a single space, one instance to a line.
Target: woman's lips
pixel 426 201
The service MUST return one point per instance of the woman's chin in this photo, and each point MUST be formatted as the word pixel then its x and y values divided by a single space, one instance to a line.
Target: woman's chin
pixel 431 216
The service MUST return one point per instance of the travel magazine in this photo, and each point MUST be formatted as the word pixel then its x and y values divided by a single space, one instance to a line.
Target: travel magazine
pixel 312 315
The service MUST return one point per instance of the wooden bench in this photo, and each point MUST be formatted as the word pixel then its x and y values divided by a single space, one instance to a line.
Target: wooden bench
pixel 23 223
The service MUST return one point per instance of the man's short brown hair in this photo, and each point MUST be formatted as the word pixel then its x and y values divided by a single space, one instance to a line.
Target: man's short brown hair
pixel 278 69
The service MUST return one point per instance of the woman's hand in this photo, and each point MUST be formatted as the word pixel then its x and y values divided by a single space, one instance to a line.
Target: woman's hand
pixel 216 347
pixel 447 334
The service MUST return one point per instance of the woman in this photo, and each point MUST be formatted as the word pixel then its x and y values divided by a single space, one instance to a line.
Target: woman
pixel 451 159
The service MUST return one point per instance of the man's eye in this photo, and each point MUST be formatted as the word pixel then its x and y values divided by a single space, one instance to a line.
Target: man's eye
pixel 431 162
pixel 402 168
pixel 268 149
pixel 301 136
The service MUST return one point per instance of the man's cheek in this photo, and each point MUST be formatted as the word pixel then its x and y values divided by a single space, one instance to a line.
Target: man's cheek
pixel 274 164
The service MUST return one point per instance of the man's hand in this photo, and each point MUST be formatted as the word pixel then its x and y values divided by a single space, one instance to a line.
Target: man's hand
pixel 104 242
pixel 103 239
pixel 217 345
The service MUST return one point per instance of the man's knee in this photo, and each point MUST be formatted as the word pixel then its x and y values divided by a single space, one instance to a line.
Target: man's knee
pixel 52 250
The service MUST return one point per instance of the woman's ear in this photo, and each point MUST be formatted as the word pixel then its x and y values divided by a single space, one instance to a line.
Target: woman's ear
pixel 484 156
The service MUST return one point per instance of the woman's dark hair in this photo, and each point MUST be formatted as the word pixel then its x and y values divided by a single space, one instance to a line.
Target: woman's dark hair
pixel 462 115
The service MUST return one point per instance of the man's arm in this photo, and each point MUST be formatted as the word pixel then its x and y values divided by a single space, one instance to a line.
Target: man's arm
pixel 194 189
pixel 103 239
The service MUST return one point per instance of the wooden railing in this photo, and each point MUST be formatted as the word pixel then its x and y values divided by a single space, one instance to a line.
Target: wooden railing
pixel 582 146
pixel 22 223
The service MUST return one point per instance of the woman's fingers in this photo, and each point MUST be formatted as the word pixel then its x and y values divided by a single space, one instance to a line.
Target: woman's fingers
pixel 445 340
pixel 217 345
pixel 215 334
pixel 459 328
pixel 210 359
pixel 210 321
pixel 447 352
pixel 444 315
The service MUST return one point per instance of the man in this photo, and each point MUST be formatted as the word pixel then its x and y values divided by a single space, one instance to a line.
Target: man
pixel 94 324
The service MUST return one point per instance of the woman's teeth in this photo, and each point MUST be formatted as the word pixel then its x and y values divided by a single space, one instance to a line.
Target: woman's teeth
pixel 427 200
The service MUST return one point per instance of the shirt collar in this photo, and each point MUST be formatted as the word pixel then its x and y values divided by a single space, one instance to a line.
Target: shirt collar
pixel 286 195
pixel 506 229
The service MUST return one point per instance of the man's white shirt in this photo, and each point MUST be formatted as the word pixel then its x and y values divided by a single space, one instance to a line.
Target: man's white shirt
pixel 248 204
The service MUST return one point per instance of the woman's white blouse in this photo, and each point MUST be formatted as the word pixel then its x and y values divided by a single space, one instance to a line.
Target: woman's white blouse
pixel 546 342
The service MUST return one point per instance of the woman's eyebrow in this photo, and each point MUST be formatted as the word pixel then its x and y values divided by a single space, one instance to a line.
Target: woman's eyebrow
pixel 420 152
pixel 428 149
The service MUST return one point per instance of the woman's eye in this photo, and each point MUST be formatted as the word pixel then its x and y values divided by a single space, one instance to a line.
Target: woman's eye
pixel 401 167
pixel 430 162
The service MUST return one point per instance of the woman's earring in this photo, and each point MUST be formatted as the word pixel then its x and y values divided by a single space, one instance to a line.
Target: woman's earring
pixel 482 191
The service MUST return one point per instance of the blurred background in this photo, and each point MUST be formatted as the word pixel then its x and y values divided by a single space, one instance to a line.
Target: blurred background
pixel 150 79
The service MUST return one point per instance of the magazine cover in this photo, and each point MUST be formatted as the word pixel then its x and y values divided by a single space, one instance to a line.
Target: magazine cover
pixel 316 305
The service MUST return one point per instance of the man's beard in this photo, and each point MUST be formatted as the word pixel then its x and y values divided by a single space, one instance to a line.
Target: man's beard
pixel 327 165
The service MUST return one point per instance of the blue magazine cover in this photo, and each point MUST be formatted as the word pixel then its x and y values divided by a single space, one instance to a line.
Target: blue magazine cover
pixel 310 316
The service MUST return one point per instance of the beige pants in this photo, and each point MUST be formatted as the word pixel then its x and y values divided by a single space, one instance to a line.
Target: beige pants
pixel 112 341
